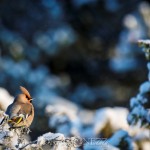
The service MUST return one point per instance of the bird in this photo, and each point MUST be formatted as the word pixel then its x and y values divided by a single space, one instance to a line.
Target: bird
pixel 21 111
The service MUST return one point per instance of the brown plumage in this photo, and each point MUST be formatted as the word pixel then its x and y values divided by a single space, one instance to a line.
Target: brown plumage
pixel 21 111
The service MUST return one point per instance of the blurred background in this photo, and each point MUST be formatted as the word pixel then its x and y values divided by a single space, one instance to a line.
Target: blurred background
pixel 72 55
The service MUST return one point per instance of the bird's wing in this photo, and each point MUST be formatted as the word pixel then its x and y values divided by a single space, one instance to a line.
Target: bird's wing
pixel 19 113
pixel 13 110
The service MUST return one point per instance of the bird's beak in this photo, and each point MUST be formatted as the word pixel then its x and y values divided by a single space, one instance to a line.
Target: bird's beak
pixel 31 99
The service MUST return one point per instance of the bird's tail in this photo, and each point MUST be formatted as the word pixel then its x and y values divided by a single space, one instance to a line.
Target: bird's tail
pixel 4 119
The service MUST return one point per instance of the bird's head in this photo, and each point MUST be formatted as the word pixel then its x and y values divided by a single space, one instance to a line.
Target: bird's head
pixel 24 97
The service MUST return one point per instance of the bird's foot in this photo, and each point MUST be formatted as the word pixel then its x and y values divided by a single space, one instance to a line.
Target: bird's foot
pixel 25 130
pixel 22 129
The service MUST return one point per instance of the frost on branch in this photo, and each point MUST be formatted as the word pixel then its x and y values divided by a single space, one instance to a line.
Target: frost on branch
pixel 138 113
pixel 120 137
pixel 10 138
pixel 64 119
pixel 18 139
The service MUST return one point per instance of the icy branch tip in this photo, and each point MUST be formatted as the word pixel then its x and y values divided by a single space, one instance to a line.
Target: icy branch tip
pixel 144 43
pixel 146 47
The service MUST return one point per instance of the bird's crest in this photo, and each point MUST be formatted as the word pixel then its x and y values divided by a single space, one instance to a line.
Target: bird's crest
pixel 25 91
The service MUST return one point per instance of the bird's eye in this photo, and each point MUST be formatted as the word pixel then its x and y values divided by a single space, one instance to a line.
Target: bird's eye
pixel 27 97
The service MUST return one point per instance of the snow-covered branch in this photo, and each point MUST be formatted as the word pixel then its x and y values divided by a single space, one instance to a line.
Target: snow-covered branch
pixel 138 113
pixel 17 138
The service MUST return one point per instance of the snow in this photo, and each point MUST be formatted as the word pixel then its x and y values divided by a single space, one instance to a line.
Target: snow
pixel 139 111
pixel 145 42
pixel 142 135
pixel 63 118
pixel 104 146
pixel 141 99
pixel 60 101
pixel 41 140
pixel 139 114
pixel 133 102
pixel 49 137
pixel 148 65
pixel 117 138
pixel 145 87
pixel 86 116
pixel 52 136
pixel 70 120
pixel 5 98
pixel 110 115
pixel 122 64
pixel 130 22
pixel 146 145
pixel 15 138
